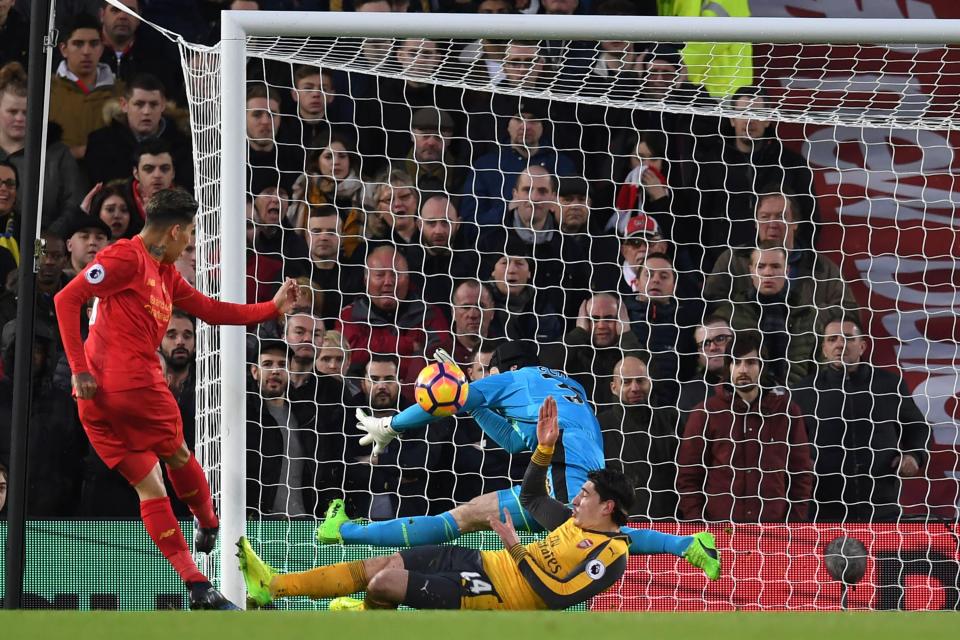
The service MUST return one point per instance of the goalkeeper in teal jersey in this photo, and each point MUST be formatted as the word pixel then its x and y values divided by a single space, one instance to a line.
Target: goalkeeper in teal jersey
pixel 506 406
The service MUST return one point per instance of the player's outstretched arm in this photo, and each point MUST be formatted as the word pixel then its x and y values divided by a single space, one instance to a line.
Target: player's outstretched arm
pixel 217 312
pixel 549 512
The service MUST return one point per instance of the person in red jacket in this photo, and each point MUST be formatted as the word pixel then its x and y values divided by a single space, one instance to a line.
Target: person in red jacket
pixel 387 322
pixel 127 410
pixel 744 455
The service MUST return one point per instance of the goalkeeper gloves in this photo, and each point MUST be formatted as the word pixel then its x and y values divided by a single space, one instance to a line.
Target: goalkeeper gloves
pixel 378 431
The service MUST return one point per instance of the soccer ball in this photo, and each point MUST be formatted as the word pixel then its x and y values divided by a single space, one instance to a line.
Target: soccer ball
pixel 441 389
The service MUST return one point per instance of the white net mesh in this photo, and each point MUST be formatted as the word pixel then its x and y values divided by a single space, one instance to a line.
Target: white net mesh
pixel 579 169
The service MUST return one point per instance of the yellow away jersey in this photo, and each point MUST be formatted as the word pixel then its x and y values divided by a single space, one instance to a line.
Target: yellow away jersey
pixel 566 568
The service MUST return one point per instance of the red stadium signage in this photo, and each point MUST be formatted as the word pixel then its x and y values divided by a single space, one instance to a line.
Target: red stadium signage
pixel 778 566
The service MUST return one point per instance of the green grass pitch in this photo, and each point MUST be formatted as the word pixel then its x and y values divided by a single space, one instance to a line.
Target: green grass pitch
pixel 275 625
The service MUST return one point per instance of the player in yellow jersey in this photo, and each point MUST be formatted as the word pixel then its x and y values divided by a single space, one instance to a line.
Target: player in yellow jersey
pixel 583 554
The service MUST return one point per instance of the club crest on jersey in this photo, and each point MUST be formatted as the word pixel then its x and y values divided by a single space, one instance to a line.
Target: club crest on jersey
pixel 585 544
pixel 95 274
pixel 595 569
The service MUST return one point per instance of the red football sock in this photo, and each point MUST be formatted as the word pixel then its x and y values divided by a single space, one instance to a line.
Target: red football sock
pixel 191 486
pixel 165 532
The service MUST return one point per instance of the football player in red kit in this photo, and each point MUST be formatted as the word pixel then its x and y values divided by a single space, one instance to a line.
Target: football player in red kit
pixel 128 412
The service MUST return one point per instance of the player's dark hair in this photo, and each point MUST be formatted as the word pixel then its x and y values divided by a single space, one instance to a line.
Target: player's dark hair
pixel 515 353
pixel 3 470
pixel 150 147
pixel 77 22
pixel 614 485
pixel 168 207
pixel 144 82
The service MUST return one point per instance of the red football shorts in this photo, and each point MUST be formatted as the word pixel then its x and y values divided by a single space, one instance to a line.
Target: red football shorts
pixel 131 429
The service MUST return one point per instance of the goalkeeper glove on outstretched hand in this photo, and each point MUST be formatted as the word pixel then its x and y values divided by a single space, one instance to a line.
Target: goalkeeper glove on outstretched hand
pixel 378 431
pixel 441 356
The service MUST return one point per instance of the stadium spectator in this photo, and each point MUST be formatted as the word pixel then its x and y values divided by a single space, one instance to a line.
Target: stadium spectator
pixel 522 313
pixel 395 482
pixel 50 279
pixel 62 183
pixel 141 118
pixel 786 314
pixel 85 236
pixel 387 321
pixel 268 164
pixel 397 195
pixel 418 59
pixel 664 324
pixel 744 455
pixel 82 85
pixel 473 315
pixel 712 340
pixel 282 463
pixel 333 359
pixel 56 444
pixel 816 276
pixel 646 190
pixel 14 39
pixel 641 237
pixel 491 181
pixel 641 441
pixel 277 252
pixel 431 159
pixel 153 171
pixel 9 220
pixel 303 334
pixel 447 259
pixel 313 93
pixel 331 178
pixel 751 156
pixel 130 51
pixel 186 264
pixel 178 352
pixel 331 271
pixel 581 227
pixel 866 430
pixel 590 350
pixel 529 222
pixel 111 204
pixel 615 70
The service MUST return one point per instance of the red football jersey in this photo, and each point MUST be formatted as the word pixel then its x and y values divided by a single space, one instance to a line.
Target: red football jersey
pixel 135 296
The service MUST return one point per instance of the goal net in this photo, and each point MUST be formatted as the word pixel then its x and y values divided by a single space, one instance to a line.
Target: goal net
pixel 627 194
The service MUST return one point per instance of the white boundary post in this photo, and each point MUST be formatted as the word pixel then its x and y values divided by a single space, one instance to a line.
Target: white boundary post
pixel 233 471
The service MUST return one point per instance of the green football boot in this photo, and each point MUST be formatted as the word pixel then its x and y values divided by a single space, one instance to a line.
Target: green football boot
pixel 256 573
pixel 702 553
pixel 329 530
pixel 346 603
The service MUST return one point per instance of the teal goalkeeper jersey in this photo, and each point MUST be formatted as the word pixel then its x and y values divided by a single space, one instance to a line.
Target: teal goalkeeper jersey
pixel 506 406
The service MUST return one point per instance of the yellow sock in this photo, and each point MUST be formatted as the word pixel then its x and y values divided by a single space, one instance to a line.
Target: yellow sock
pixel 323 582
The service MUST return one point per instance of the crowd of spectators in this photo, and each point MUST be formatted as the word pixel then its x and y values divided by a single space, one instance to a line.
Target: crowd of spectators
pixel 665 261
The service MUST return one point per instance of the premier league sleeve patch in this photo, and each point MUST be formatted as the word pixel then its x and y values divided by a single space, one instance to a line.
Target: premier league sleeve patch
pixel 95 274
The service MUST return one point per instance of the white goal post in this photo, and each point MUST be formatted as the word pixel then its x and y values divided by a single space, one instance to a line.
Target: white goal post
pixel 227 280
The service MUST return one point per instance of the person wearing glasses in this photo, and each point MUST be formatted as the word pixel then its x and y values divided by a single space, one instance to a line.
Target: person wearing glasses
pixel 712 339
